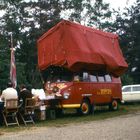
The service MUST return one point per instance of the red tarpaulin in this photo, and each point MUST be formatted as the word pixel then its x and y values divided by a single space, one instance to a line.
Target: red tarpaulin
pixel 77 47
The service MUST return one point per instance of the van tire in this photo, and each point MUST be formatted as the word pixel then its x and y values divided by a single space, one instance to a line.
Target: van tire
pixel 114 105
pixel 85 107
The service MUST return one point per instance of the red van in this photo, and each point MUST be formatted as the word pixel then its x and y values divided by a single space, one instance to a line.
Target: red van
pixel 93 59
pixel 83 91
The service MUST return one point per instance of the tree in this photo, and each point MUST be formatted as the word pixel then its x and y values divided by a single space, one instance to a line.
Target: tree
pixel 10 24
pixel 29 20
pixel 92 13
pixel 127 25
pixel 4 62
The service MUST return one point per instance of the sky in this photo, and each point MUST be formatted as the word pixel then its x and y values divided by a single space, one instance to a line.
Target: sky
pixel 120 3
pixel 113 4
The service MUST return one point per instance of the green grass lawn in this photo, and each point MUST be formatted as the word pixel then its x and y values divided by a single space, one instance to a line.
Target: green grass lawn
pixel 70 116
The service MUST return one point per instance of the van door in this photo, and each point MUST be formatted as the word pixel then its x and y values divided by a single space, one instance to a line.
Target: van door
pixel 81 89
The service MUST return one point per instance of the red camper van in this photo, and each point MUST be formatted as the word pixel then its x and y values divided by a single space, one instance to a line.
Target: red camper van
pixel 81 65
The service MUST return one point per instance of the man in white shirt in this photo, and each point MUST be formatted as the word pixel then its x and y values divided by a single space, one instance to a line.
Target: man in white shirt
pixel 9 93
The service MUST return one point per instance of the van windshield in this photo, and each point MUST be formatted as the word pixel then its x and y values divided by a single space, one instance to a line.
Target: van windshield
pixel 57 74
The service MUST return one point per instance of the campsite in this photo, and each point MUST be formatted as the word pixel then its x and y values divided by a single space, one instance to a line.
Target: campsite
pixel 63 66
pixel 70 121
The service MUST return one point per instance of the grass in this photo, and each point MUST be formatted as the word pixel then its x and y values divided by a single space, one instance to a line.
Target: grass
pixel 71 117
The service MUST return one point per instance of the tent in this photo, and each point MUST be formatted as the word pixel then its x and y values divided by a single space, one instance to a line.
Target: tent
pixel 77 47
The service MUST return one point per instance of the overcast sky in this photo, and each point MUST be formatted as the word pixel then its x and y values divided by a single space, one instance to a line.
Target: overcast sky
pixel 119 3
pixel 113 4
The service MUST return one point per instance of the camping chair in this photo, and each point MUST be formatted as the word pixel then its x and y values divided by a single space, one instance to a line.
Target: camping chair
pixel 27 114
pixel 10 112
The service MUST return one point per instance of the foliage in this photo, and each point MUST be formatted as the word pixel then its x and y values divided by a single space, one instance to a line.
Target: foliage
pixel 4 62
pixel 92 13
pixel 27 21
pixel 127 26
pixel 127 80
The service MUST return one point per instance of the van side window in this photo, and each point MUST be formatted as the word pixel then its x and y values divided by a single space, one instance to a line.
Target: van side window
pixel 126 89
pixel 85 76
pixel 76 78
pixel 137 88
pixel 101 79
pixel 93 78
pixel 108 78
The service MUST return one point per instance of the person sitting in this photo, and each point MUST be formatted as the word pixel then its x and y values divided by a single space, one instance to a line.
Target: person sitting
pixel 23 95
pixel 9 93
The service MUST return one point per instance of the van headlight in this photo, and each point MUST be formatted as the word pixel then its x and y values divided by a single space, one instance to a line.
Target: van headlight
pixel 66 95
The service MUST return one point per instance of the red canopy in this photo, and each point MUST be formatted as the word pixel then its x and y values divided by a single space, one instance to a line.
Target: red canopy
pixel 77 47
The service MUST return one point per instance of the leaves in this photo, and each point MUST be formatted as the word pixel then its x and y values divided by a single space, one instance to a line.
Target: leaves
pixel 127 25
pixel 29 20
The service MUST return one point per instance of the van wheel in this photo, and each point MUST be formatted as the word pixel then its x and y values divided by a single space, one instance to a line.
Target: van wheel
pixel 114 105
pixel 85 107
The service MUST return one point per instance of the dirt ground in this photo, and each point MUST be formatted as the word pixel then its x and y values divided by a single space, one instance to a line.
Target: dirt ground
pixel 126 127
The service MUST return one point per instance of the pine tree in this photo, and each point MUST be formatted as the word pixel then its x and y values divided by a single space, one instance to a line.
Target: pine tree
pixel 29 20
pixel 92 13
pixel 127 25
